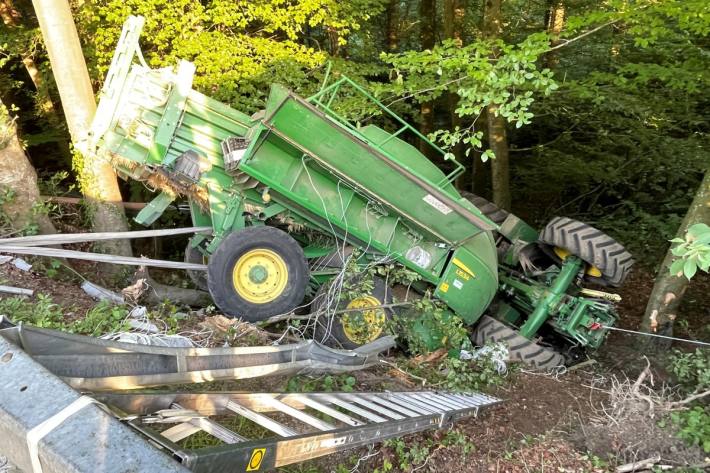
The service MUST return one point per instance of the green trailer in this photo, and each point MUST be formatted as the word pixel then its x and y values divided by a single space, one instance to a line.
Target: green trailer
pixel 297 192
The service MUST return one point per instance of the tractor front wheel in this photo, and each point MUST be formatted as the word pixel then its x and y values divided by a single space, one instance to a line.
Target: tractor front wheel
pixel 256 273
pixel 520 349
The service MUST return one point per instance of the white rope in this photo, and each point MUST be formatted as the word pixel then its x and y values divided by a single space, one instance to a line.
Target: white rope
pixel 695 342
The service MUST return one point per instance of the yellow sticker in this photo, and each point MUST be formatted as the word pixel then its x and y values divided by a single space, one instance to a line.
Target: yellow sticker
pixel 463 275
pixel 444 287
pixel 257 456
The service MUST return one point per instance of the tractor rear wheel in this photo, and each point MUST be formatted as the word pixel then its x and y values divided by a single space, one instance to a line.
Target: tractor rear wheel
pixel 353 328
pixel 609 262
pixel 256 273
pixel 193 255
pixel 487 208
pixel 520 349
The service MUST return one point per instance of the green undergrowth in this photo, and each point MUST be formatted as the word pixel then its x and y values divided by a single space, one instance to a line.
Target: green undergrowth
pixel 104 317
pixel 456 375
pixel 407 454
pixel 43 312
pixel 692 370
pixel 328 383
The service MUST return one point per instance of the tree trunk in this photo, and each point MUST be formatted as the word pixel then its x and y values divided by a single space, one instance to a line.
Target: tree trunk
pixel 392 26
pixel 427 15
pixel 97 178
pixel 497 136
pixel 555 24
pixel 24 210
pixel 454 13
pixel 669 288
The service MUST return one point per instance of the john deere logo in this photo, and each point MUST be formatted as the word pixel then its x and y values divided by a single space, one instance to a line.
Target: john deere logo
pixel 257 456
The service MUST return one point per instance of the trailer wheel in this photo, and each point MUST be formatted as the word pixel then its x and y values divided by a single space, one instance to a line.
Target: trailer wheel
pixel 608 261
pixel 256 273
pixel 356 328
pixel 193 255
pixel 520 349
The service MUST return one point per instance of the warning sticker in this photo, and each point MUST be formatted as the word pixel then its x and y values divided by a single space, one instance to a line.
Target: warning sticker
pixel 437 204
pixel 444 287
pixel 257 456
pixel 458 284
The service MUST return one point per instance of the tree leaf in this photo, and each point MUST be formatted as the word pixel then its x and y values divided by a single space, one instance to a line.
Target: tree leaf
pixel 689 268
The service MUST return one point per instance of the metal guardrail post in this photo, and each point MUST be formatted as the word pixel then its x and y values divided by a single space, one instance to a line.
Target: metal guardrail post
pixel 90 440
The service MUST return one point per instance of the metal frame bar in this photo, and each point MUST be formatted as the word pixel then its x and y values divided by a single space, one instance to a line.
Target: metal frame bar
pixel 88 441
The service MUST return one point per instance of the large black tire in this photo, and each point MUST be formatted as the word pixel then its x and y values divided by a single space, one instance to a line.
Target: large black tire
pixel 236 251
pixel 193 255
pixel 591 245
pixel 487 208
pixel 520 349
pixel 334 333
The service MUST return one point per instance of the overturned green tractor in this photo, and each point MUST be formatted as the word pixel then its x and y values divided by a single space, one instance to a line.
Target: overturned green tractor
pixel 298 194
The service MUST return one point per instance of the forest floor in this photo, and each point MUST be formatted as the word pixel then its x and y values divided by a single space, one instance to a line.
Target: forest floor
pixel 558 422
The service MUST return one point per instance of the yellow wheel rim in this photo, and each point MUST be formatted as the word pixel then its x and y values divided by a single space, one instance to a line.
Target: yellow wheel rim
pixel 591 270
pixel 260 276
pixel 364 326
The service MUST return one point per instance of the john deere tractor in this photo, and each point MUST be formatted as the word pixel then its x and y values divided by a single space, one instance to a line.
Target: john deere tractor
pixel 293 190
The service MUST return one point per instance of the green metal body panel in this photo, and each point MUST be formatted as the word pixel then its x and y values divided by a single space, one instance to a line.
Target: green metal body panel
pixel 393 205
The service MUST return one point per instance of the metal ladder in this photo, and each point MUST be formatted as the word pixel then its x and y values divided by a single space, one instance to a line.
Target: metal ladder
pixel 306 425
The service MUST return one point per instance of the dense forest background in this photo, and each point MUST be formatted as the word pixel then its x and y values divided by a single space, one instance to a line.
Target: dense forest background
pixel 597 110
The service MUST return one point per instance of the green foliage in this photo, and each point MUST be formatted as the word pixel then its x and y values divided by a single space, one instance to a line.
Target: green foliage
pixel 408 454
pixel 692 369
pixel 457 375
pixel 102 318
pixel 41 313
pixel 428 324
pixel 483 73
pixel 694 426
pixel 239 49
pixel 328 383
pixel 693 251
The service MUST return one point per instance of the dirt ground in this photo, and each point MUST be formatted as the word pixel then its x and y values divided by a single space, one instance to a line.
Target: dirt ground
pixel 546 422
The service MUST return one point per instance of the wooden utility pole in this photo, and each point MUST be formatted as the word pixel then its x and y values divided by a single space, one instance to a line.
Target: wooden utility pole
pixel 96 177
pixel 497 133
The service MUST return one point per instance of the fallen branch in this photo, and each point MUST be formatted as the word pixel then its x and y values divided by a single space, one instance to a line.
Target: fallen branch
pixel 679 404
pixel 146 289
pixel 639 465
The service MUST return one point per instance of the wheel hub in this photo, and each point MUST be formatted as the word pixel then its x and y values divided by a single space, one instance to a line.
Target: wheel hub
pixel 364 326
pixel 260 276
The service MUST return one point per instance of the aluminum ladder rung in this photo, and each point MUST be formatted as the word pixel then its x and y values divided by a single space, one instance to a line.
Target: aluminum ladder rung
pixel 404 410
pixel 262 420
pixel 327 410
pixel 360 399
pixel 425 409
pixel 354 409
pixel 185 429
pixel 300 415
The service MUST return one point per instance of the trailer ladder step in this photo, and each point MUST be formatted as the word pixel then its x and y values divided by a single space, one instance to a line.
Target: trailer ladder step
pixel 307 425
